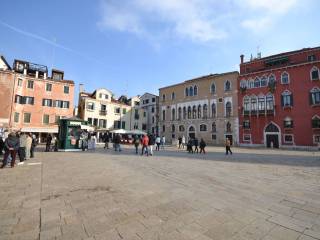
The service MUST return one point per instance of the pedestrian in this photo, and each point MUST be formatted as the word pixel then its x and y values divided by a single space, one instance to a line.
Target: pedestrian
pixel 33 145
pixel 190 146
pixel 117 141
pixel 94 141
pixel 48 143
pixel 179 142
pixel 145 143
pixel 158 142
pixel 84 140
pixel 1 145
pixel 22 147
pixel 183 141
pixel 163 142
pixel 136 142
pixel 202 146
pixel 196 144
pixel 106 139
pixel 56 144
pixel 228 146
pixel 28 146
pixel 151 143
pixel 11 146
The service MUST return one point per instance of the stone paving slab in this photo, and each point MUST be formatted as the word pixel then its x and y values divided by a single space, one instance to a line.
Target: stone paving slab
pixel 253 194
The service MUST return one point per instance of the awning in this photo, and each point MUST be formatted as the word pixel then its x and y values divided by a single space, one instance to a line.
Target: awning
pixel 120 131
pixel 40 130
pixel 131 132
pixel 87 127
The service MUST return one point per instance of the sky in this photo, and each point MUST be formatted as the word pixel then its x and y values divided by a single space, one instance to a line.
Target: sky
pixel 135 46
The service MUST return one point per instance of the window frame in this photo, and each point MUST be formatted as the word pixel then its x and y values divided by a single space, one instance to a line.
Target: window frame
pixel 281 79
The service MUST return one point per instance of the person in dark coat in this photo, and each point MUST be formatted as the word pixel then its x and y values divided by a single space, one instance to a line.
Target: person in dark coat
pixel 190 146
pixel 196 144
pixel 150 144
pixel 202 146
pixel 180 142
pixel 48 143
pixel 117 141
pixel 106 139
pixel 1 145
pixel 11 145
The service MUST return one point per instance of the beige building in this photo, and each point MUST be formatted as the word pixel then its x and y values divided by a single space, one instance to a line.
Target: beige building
pixel 204 107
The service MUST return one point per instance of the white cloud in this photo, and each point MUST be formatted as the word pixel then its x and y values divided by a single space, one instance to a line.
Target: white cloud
pixel 273 6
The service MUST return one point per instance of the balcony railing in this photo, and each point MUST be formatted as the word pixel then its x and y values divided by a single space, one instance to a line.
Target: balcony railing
pixel 103 112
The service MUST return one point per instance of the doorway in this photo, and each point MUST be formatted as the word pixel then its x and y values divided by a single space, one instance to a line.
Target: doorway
pixel 272 136
pixel 272 140
pixel 192 132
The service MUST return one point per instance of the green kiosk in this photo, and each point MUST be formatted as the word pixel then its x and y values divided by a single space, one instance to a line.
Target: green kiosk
pixel 70 130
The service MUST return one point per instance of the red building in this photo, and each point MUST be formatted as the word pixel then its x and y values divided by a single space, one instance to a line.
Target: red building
pixel 279 100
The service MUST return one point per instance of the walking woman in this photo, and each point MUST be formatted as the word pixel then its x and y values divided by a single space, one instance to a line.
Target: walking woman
pixel 158 142
pixel 228 146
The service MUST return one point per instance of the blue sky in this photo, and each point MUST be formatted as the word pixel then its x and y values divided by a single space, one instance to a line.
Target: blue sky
pixel 137 46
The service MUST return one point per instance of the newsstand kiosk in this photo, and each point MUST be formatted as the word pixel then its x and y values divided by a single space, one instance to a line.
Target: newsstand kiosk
pixel 70 130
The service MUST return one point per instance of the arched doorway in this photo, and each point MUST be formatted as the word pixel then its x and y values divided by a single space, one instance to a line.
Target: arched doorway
pixel 272 135
pixel 191 132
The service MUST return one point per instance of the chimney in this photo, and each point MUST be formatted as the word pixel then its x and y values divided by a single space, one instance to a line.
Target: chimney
pixel 37 74
pixel 241 58
pixel 25 71
pixel 81 89
pixel 45 75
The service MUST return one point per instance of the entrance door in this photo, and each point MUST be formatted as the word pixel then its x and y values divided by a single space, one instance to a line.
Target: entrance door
pixel 230 138
pixel 192 132
pixel 272 140
pixel 192 135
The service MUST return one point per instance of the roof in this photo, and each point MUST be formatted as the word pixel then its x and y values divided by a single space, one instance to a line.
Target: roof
pixel 283 54
pixel 5 61
pixel 205 77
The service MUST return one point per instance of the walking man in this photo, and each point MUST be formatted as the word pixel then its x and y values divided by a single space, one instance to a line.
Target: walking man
pixel 196 144
pixel 151 143
pixel 202 146
pixel 106 139
pixel 136 142
pixel 145 142
pixel 180 142
pixel 228 146
pixel 158 142
pixel 48 143
pixel 22 147
pixel 11 146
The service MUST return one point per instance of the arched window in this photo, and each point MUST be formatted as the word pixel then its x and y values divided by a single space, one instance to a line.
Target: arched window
pixel 199 111
pixel 315 122
pixel 270 102
pixel 195 90
pixel 256 82
pixel 227 86
pixel 272 79
pixel 214 127
pixel 213 88
pixel 194 112
pixel 179 113
pixel 243 84
pixel 184 112
pixel 286 99
pixel 315 96
pixel 246 103
pixel 189 112
pixel 251 84
pixel 173 114
pixel 203 127
pixel 163 115
pixel 191 91
pixel 191 129
pixel 205 111
pixel 261 103
pixel 187 92
pixel 228 127
pixel 263 81
pixel 254 106
pixel 213 110
pixel 181 128
pixel 173 96
pixel 228 109
pixel 285 78
pixel 314 73
pixel 173 128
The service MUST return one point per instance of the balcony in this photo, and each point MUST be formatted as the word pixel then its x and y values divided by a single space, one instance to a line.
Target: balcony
pixel 103 112
pixel 246 112
pixel 270 111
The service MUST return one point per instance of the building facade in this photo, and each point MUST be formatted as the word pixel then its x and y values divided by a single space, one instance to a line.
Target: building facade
pixel 205 107
pixel 33 101
pixel 279 97
pixel 149 106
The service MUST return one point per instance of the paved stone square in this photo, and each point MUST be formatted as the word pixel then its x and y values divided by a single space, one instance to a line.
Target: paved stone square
pixel 253 194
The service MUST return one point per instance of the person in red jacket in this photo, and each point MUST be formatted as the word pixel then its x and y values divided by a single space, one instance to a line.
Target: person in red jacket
pixel 145 143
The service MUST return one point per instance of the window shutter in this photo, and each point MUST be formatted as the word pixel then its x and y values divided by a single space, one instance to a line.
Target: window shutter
pixel 291 99
pixel 32 100
pixel 282 101
pixel 310 99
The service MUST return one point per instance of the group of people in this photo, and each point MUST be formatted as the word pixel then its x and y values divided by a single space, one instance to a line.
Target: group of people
pixel 22 144
pixel 147 143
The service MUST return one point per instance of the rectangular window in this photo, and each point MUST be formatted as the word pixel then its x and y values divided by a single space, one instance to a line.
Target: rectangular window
pixel 311 58
pixel 57 118
pixel 48 87
pixel 66 89
pixel 288 138
pixel 147 101
pixel 117 110
pixel 163 128
pixel 246 124
pixel 100 95
pixel 30 84
pixel 315 97
pixel 19 99
pixel 45 119
pixel 144 114
pixel 102 123
pixel 27 117
pixel 90 121
pixel 16 117
pixel 65 104
pixel 47 102
pixel 20 81
pixel 214 137
pixel 29 100
pixel 247 137
pixel 288 123
pixel 315 123
pixel 116 124
pixel 152 109
pixel 90 106
pixel 124 111
pixel 153 99
pixel 95 122
pixel 123 125
pixel 144 126
pixel 316 139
